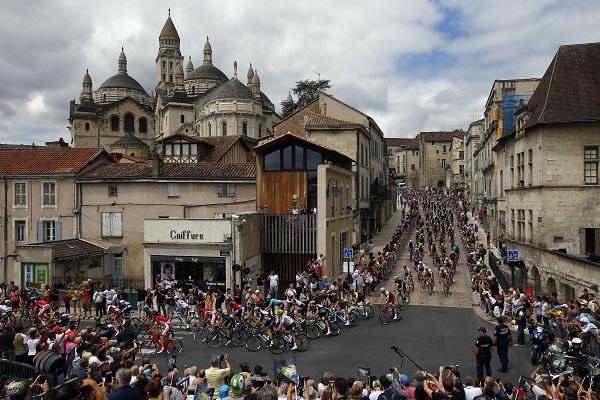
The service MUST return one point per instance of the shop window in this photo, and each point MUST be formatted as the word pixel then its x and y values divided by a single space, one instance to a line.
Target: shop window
pixel 20 194
pixel 173 189
pixel 226 189
pixel 111 224
pixel 113 191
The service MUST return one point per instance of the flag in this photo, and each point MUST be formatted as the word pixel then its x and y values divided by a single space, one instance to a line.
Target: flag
pixel 285 370
pixel 364 372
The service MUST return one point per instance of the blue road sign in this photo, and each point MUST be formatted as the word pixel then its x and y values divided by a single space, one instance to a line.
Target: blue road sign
pixel 348 253
pixel 512 255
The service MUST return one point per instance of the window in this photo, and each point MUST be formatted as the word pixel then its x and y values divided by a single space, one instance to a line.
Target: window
pixel 461 155
pixel 287 157
pixel 49 194
pixel 20 194
pixel 530 226
pixel 245 128
pixel 444 149
pixel 182 118
pixel 521 168
pixel 530 164
pixel 259 131
pixel 113 191
pixel 87 126
pixel 164 65
pixel 512 171
pixel 117 270
pixel 170 77
pixel 129 123
pixel 443 161
pixel 298 157
pixel 461 169
pixel 48 231
pixel 588 238
pixel 143 125
pixel 20 232
pixel 173 190
pixel 273 161
pixel 114 123
pixel 170 63
pixel 193 89
pixel 209 129
pixel 590 166
pixel 226 189
pixel 412 167
pixel 501 183
pixel 224 128
pixel 111 224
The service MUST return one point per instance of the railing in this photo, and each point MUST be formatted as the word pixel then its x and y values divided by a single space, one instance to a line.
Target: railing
pixel 291 234
pixel 500 277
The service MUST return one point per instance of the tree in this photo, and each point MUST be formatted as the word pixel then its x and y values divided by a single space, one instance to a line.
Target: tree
pixel 306 91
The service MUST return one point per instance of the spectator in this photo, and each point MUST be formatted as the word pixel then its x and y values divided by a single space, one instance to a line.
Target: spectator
pixel 122 390
pixel 215 376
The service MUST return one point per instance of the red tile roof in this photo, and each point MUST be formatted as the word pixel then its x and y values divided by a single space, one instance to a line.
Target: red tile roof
pixel 400 141
pixel 202 170
pixel 45 161
pixel 570 88
pixel 315 119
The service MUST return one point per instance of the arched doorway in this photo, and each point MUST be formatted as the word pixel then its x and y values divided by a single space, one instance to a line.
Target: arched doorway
pixel 551 286
pixel 440 184
pixel 536 280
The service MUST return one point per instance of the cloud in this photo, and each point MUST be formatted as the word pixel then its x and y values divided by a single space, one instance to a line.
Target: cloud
pixel 413 65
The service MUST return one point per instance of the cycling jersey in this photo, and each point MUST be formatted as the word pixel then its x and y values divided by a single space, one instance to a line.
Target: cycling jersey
pixel 164 323
pixel 181 305
pixel 287 321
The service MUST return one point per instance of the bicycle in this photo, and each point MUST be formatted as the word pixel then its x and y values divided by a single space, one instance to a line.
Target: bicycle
pixel 153 345
pixel 386 313
pixel 282 340
pixel 446 288
pixel 317 327
pixel 351 320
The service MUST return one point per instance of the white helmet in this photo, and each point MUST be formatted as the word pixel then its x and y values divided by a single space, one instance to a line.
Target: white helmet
pixel 576 341
pixel 584 320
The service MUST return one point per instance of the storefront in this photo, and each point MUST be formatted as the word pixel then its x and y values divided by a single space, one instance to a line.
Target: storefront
pixel 179 252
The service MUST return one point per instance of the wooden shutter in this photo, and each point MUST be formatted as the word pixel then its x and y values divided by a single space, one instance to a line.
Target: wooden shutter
pixel 231 189
pixel 106 224
pixel 57 230
pixel 40 231
pixel 221 190
pixel 115 224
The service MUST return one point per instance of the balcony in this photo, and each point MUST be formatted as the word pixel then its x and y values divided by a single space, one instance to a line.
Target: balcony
pixel 378 190
pixel 289 234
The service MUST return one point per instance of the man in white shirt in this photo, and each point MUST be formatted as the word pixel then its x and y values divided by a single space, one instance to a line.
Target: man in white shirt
pixel 471 391
pixel 273 282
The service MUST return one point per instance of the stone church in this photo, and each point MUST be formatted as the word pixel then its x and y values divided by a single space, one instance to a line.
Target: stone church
pixel 121 116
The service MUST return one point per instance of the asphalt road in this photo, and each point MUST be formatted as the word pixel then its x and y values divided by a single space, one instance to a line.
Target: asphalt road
pixel 431 336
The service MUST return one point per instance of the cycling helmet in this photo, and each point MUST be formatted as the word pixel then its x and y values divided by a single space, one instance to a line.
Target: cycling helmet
pixel 223 391
pixel 584 320
pixel 280 312
pixel 7 303
pixel 382 290
pixel 576 341
pixel 238 384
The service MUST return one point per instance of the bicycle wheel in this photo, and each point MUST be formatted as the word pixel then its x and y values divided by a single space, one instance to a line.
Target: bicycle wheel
pixel 148 347
pixel 277 345
pixel 357 314
pixel 177 324
pixel 238 338
pixel 430 289
pixel 253 343
pixel 446 290
pixel 303 342
pixel 313 331
pixel 399 312
pixel 384 316
pixel 215 339
pixel 352 319
pixel 174 347
pixel 199 333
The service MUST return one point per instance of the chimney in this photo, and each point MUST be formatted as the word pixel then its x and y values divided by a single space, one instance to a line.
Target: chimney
pixel 155 161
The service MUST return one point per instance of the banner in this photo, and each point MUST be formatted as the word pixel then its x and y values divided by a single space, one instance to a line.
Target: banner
pixel 285 371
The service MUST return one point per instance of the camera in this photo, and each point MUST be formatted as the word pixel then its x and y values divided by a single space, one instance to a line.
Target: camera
pixel 222 357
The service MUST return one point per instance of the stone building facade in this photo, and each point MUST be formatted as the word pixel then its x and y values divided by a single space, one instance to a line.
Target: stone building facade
pixel 434 154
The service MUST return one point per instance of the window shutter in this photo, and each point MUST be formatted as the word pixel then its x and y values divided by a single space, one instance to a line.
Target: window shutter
pixel 231 189
pixel 106 224
pixel 116 224
pixel 40 231
pixel 57 230
pixel 108 264
pixel 220 190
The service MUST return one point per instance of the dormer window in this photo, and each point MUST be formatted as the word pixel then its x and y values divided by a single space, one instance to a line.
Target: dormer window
pixel 181 152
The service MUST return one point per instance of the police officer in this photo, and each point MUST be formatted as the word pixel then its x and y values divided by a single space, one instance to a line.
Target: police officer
pixel 483 354
pixel 503 339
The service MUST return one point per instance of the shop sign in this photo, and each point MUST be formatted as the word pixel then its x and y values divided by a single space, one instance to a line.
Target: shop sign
pixel 186 235
pixel 187 231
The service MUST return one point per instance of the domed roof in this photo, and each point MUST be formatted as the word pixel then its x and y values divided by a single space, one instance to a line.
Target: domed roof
pixel 122 80
pixel 207 71
pixel 87 78
pixel 232 89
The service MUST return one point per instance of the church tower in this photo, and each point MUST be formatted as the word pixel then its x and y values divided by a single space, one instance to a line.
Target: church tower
pixel 169 54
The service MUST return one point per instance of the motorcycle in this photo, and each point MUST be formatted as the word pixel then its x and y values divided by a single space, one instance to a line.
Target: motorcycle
pixel 540 341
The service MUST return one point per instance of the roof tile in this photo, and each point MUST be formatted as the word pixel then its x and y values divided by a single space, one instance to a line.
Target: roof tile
pixel 45 161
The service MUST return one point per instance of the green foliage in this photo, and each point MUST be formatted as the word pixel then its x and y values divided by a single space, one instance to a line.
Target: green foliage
pixel 306 91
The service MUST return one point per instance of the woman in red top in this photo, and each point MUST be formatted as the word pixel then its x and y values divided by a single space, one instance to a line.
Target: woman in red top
pixel 86 299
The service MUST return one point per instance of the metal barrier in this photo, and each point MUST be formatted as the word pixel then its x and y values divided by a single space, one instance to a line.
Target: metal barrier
pixel 11 370
pixel 493 264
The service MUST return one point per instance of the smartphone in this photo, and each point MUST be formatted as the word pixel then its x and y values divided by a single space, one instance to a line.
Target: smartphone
pixel 258 384
pixel 108 378
pixel 585 383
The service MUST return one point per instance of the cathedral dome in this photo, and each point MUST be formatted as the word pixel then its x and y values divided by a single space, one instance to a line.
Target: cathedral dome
pixel 122 80
pixel 207 71
pixel 232 89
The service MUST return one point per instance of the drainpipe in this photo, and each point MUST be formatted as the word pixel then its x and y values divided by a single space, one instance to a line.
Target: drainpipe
pixel 5 222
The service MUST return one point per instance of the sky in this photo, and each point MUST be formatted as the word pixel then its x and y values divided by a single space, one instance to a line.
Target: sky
pixel 413 65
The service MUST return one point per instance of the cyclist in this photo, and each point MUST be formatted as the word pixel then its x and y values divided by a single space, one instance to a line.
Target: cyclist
pixel 5 308
pixel 44 308
pixel 287 324
pixel 182 307
pixel 445 276
pixel 321 312
pixel 388 298
pixel 161 324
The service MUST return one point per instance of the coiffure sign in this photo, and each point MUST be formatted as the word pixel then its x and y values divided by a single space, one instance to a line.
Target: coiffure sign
pixel 189 231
